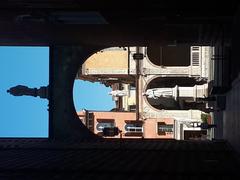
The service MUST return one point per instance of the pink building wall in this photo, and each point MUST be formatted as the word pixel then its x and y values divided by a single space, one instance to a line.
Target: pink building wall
pixel 151 131
pixel 149 125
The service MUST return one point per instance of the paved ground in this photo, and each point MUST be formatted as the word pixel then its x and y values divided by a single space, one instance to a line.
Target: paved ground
pixel 132 159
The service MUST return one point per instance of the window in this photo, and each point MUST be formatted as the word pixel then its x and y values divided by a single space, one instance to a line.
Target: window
pixel 101 126
pixel 164 128
pixel 132 108
pixel 104 123
pixel 90 120
pixel 131 87
pixel 195 48
pixel 195 56
pixel 133 127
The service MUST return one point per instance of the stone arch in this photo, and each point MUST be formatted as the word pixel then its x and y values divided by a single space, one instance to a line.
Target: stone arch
pixel 64 124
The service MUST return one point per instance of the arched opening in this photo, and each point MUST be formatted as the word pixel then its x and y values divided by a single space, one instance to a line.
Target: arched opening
pixel 175 93
pixel 104 92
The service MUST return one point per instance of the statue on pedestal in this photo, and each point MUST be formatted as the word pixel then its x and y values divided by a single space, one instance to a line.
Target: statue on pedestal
pixel 118 93
pixel 21 90
pixel 156 93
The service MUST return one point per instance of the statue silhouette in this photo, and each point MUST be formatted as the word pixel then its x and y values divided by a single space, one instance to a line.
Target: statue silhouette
pixel 21 90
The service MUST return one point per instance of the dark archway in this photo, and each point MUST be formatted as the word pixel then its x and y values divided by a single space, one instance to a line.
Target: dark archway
pixel 64 122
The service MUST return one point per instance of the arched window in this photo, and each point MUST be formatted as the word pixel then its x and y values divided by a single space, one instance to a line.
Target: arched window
pixel 133 127
pixel 104 123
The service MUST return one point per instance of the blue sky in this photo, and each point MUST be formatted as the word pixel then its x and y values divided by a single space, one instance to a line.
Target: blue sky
pixel 28 116
pixel 91 96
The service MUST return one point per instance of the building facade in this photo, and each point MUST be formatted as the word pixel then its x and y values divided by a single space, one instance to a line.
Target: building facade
pixel 151 88
pixel 127 125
